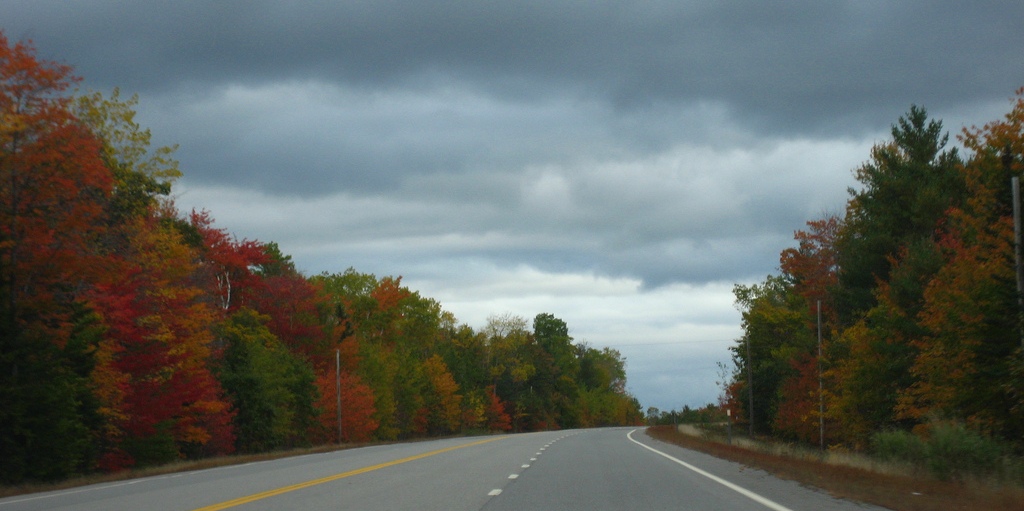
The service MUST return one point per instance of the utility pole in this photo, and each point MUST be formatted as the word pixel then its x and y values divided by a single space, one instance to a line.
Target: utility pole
pixel 1015 183
pixel 337 387
pixel 1008 166
pixel 821 388
pixel 750 388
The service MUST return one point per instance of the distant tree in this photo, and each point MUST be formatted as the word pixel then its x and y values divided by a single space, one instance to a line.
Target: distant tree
pixel 812 267
pixel 158 396
pixel 357 408
pixel 229 264
pixel 498 418
pixel 272 392
pixel 443 401
pixel 653 415
pixel 775 330
pixel 556 380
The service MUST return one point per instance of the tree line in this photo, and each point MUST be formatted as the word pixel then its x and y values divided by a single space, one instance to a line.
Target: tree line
pixel 133 334
pixel 915 285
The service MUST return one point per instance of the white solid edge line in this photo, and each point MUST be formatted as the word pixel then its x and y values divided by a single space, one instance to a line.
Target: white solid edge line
pixel 736 488
pixel 60 493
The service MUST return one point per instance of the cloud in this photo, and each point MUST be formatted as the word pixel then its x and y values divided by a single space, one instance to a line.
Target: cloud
pixel 619 165
pixel 692 214
pixel 794 67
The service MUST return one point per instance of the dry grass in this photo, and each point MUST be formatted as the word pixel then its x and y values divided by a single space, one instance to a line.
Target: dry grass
pixel 859 481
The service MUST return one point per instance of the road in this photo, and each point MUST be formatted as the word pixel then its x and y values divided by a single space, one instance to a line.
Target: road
pixel 595 469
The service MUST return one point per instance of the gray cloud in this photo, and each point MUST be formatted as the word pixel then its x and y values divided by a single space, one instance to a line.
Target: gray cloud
pixel 796 66
pixel 535 155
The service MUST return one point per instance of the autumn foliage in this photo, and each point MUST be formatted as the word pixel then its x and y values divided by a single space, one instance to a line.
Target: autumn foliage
pixel 132 334
pixel 920 318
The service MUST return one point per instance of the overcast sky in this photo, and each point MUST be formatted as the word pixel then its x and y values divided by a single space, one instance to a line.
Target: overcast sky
pixel 620 165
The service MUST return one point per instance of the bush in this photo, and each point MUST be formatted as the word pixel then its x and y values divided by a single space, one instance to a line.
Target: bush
pixel 899 446
pixel 156 449
pixel 955 451
pixel 950 452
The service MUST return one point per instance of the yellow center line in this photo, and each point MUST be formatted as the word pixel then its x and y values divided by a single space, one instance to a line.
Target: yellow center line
pixel 285 489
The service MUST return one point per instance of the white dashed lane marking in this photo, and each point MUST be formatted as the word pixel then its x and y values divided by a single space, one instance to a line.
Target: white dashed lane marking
pixel 497 491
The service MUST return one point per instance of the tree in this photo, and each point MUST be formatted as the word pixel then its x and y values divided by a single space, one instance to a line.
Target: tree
pixel 887 253
pixel 230 262
pixel 52 189
pixel 141 175
pixel 357 408
pixel 812 272
pixel 908 185
pixel 370 321
pixel 812 267
pixel 443 401
pixel 971 317
pixel 299 311
pixel 603 397
pixel 157 393
pixel 555 381
pixel 272 392
pixel 466 355
pixel 498 418
pixel 510 363
pixel 774 332
pixel 797 415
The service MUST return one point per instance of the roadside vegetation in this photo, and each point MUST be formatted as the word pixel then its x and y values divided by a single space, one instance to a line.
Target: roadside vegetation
pixel 135 335
pixel 893 330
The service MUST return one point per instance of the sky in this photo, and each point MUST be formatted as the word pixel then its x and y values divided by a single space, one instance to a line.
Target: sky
pixel 620 165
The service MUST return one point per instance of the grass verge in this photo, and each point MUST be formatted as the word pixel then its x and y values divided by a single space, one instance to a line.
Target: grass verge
pixel 893 491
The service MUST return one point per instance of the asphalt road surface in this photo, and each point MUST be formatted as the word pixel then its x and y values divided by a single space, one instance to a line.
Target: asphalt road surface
pixel 594 469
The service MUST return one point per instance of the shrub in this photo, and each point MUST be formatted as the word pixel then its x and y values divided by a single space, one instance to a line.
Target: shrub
pixel 955 451
pixel 951 451
pixel 899 446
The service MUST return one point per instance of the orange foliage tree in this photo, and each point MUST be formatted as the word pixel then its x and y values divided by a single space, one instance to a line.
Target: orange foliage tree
pixel 229 263
pixel 498 418
pixel 974 343
pixel 299 311
pixel 443 402
pixel 157 393
pixel 357 409
pixel 797 416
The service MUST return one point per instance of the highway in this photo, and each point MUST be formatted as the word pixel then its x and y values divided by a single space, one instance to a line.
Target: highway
pixel 594 469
